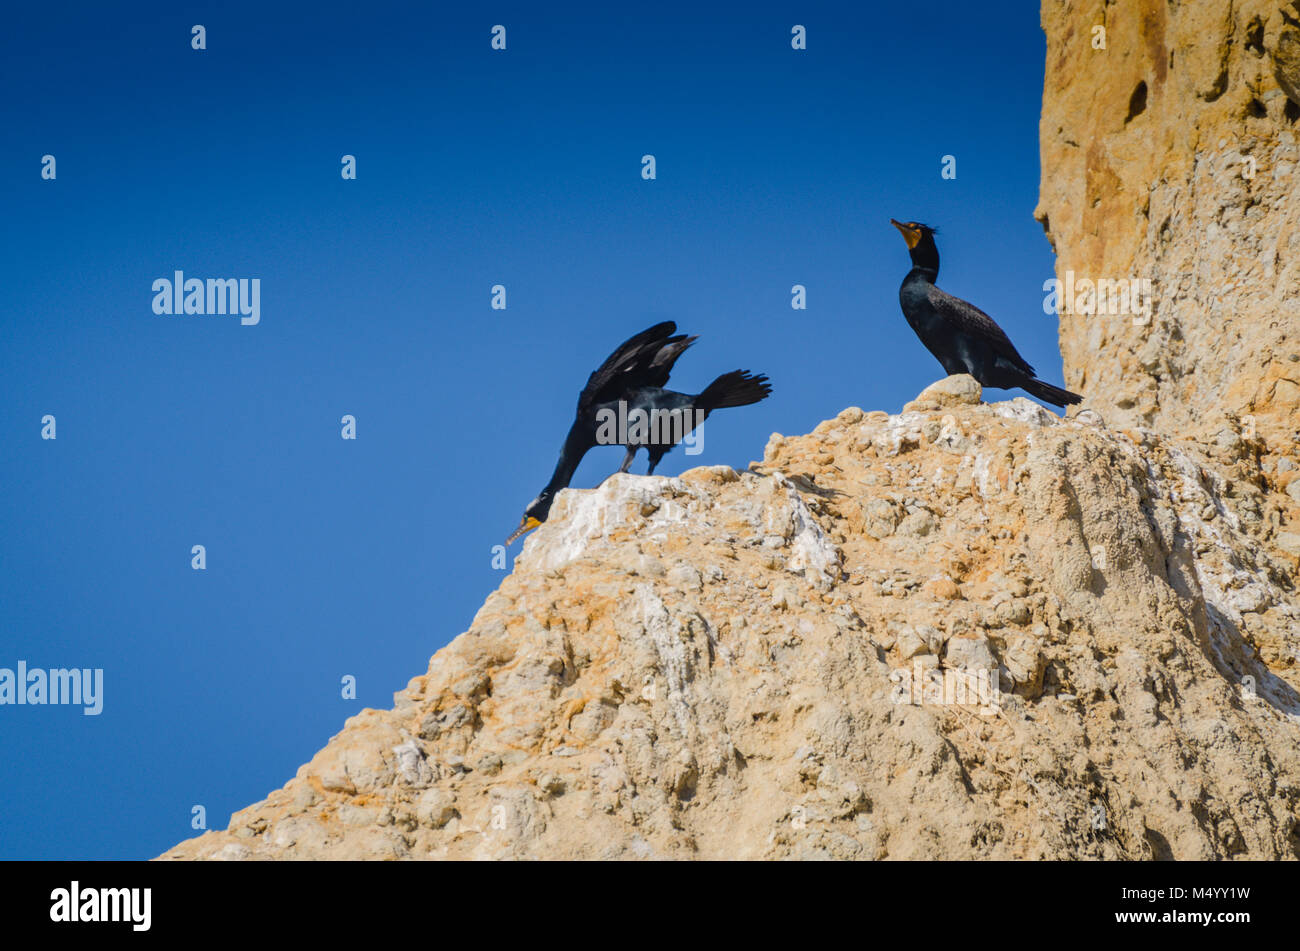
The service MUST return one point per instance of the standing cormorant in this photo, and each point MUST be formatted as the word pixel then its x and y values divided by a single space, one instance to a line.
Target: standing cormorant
pixel 624 404
pixel 963 337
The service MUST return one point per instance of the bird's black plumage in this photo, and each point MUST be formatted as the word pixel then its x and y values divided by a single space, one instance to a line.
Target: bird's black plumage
pixel 629 387
pixel 959 334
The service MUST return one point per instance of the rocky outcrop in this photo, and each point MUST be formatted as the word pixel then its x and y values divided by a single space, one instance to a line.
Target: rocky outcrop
pixel 962 631
pixel 1170 153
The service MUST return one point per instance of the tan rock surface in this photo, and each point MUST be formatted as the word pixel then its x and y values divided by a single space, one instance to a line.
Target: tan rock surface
pixel 719 665
pixel 1171 155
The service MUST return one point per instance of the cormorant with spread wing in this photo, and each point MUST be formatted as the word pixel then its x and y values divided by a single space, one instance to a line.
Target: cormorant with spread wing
pixel 963 337
pixel 624 404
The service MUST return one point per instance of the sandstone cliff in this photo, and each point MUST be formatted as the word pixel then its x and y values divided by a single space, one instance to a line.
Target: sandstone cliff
pixel 721 665
pixel 1169 152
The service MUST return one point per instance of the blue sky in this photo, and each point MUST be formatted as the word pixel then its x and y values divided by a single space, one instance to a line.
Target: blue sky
pixel 475 167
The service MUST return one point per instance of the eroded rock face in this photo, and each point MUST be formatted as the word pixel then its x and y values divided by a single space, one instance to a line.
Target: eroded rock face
pixel 1171 155
pixel 754 665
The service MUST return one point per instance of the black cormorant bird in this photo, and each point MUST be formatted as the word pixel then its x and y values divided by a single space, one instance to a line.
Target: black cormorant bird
pixel 624 404
pixel 963 337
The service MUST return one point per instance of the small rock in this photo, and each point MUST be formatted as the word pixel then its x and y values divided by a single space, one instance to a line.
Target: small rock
pixel 1289 542
pixel 918 524
pixel 970 653
pixel 960 389
pixel 435 808
pixel 910 643
pixel 942 588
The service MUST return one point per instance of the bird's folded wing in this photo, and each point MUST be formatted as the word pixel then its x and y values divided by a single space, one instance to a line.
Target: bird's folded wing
pixel 970 319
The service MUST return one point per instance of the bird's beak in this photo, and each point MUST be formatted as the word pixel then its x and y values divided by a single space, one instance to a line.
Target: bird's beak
pixel 911 235
pixel 526 525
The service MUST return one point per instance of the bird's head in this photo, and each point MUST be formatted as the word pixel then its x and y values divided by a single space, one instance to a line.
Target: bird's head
pixel 919 237
pixel 534 515
pixel 920 243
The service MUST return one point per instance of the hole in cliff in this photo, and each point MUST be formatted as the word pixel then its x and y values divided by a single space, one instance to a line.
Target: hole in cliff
pixel 1137 103
pixel 1292 111
pixel 1255 109
pixel 1166 233
pixel 1219 88
pixel 1159 845
pixel 1255 36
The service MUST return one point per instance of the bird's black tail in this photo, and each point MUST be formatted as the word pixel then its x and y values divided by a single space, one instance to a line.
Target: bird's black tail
pixel 1051 394
pixel 737 388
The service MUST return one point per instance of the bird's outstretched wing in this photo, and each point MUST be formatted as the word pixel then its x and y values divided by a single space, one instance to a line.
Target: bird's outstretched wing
pixel 968 318
pixel 643 360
